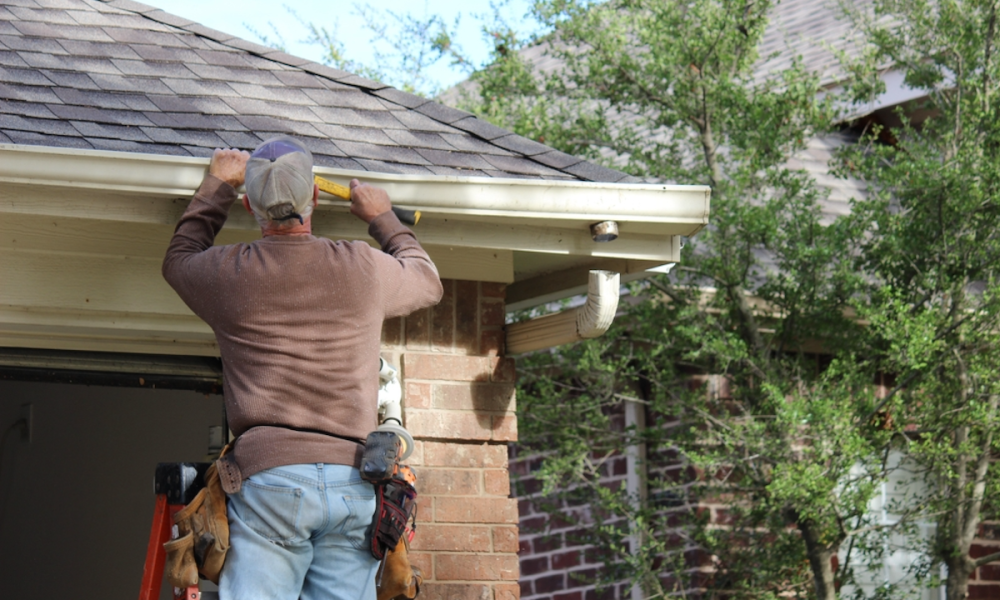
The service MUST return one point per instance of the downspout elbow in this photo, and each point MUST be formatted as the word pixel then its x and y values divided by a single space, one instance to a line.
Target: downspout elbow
pixel 597 314
pixel 588 321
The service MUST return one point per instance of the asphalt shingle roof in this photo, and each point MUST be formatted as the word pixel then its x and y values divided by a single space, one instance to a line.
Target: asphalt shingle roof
pixel 119 75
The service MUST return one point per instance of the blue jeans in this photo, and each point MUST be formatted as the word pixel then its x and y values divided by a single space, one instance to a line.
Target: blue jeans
pixel 298 531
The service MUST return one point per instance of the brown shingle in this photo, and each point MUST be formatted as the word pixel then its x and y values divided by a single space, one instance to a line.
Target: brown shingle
pixel 43 15
pixel 484 129
pixel 7 28
pixel 298 79
pixel 273 94
pixel 25 76
pixel 518 164
pixel 442 113
pixel 100 49
pixel 419 122
pixel 63 32
pixel 240 139
pixel 249 106
pixel 224 59
pixel 130 6
pixel 521 145
pixel 182 120
pixel 101 99
pixel 153 69
pixel 345 99
pixel 208 32
pixel 167 53
pixel 325 71
pixel 592 172
pixel 87 113
pixel 381 118
pixel 26 109
pixel 355 134
pixel 401 98
pixel 462 160
pixel 557 159
pixel 32 44
pixel 468 143
pixel 165 17
pixel 199 87
pixel 379 166
pixel 136 36
pixel 457 172
pixel 28 93
pixel 209 106
pixel 321 146
pixel 230 74
pixel 32 138
pixel 418 139
pixel 362 82
pixel 118 83
pixel 69 63
pixel 386 153
pixel 118 132
pixel 258 123
pixel 47 126
pixel 80 81
pixel 183 136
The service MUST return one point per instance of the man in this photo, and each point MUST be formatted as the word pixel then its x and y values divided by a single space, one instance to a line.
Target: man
pixel 298 320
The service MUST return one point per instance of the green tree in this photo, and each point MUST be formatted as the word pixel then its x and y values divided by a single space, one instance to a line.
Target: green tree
pixel 667 90
pixel 930 245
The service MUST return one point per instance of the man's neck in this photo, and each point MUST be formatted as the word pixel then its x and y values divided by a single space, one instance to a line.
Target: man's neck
pixel 304 228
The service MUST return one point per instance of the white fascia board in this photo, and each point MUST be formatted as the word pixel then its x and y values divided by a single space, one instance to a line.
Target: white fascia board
pixel 464 211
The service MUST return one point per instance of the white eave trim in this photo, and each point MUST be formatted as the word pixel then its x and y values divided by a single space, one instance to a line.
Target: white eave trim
pixel 469 211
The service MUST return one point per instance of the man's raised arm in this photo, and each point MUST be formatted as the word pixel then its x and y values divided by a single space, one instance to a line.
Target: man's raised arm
pixel 204 217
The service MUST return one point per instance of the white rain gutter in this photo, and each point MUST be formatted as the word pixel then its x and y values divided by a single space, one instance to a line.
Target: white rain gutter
pixel 498 213
pixel 588 321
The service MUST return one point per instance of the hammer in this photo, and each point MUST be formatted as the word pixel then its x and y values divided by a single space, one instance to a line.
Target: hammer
pixel 407 217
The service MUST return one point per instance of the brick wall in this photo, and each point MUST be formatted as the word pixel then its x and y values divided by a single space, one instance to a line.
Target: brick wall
pixel 557 562
pixel 985 582
pixel 459 405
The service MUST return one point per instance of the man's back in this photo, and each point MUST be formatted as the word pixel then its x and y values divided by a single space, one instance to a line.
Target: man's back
pixel 298 320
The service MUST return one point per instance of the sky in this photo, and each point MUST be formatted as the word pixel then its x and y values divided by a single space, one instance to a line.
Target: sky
pixel 242 17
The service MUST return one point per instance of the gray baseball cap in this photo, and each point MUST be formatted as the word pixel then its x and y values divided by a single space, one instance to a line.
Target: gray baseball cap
pixel 279 180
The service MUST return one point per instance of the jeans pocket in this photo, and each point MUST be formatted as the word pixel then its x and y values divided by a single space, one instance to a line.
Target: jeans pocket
pixel 361 510
pixel 271 511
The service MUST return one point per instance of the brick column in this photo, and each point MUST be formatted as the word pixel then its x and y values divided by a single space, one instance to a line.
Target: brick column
pixel 459 404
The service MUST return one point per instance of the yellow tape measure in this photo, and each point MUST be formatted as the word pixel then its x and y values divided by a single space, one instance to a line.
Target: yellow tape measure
pixel 409 217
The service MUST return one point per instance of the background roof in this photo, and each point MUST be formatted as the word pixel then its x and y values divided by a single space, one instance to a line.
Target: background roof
pixel 119 75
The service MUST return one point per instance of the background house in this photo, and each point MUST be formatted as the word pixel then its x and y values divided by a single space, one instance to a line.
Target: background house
pixel 556 561
pixel 107 112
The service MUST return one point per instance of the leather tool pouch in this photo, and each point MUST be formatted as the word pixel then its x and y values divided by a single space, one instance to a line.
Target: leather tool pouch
pixel 203 535
pixel 395 512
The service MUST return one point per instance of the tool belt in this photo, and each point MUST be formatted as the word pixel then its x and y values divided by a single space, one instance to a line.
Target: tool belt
pixel 395 512
pixel 202 534
pixel 395 492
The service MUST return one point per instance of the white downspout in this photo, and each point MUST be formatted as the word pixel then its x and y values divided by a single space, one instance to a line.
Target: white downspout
pixel 588 321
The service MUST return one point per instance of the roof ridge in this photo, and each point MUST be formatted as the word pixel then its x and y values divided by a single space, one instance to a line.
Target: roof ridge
pixel 441 113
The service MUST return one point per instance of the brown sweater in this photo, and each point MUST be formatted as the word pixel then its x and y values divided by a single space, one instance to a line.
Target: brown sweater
pixel 298 320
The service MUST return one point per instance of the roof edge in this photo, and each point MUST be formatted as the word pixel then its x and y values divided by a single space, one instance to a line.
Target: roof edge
pixel 533 199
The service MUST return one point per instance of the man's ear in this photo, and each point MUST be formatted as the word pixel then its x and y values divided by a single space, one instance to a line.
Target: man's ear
pixel 246 204
pixel 315 195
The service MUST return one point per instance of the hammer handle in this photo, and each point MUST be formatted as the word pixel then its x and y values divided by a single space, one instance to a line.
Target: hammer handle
pixel 407 217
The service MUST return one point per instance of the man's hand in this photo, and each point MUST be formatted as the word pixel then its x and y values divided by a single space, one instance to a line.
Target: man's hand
pixel 229 165
pixel 367 201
